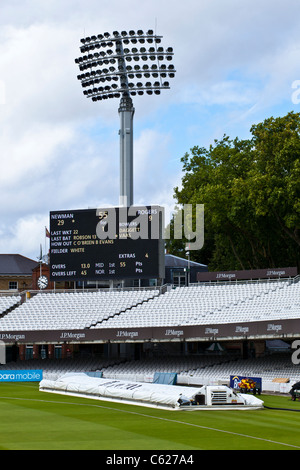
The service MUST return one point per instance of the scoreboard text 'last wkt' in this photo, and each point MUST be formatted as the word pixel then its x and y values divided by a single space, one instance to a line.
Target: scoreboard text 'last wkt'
pixel 102 244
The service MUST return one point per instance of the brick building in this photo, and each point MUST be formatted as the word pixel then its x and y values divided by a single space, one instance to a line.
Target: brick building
pixel 16 273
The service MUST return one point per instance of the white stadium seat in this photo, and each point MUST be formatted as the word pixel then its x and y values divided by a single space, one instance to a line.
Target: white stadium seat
pixel 195 305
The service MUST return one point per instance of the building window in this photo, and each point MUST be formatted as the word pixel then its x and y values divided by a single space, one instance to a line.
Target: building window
pixel 28 352
pixel 179 279
pixel 57 351
pixel 13 285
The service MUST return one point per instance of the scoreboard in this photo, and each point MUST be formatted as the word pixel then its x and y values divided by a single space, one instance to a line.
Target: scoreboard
pixel 109 243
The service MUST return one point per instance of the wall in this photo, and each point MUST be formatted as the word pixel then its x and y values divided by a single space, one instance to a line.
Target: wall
pixel 24 282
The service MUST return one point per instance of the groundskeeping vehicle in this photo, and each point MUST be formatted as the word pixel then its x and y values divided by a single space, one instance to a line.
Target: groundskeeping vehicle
pixel 173 397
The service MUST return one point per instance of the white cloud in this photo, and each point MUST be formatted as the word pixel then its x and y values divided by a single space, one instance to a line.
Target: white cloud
pixel 25 236
pixel 30 154
pixel 235 61
pixel 229 92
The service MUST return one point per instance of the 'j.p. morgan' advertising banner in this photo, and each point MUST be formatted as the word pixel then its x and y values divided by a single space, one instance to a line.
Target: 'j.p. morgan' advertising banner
pixel 247 274
pixel 21 375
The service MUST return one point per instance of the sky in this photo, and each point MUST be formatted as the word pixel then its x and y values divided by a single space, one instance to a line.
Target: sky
pixel 237 63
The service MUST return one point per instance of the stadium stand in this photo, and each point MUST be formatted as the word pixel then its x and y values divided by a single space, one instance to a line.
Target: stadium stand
pixel 7 302
pixel 75 310
pixel 208 369
pixel 194 305
pixel 56 367
pixel 201 304
pixel 207 304
pixel 190 370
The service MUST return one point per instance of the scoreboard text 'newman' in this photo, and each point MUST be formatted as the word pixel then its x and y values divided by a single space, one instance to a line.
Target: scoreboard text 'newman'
pixel 110 243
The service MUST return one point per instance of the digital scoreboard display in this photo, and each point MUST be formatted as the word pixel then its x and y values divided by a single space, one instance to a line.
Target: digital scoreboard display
pixel 103 244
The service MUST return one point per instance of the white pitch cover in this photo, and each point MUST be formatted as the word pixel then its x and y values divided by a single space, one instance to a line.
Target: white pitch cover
pixel 146 394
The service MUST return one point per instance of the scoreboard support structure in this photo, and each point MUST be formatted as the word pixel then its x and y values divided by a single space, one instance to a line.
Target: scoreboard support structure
pixel 116 243
pixel 126 111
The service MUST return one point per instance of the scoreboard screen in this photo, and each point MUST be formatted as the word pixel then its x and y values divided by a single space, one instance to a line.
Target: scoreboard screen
pixel 103 244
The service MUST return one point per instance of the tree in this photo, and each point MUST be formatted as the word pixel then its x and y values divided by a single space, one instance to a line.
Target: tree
pixel 251 193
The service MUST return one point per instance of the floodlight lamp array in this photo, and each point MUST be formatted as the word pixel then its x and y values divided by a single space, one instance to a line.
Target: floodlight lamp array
pixel 124 64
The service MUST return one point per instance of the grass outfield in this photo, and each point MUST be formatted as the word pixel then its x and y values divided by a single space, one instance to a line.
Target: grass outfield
pixel 32 420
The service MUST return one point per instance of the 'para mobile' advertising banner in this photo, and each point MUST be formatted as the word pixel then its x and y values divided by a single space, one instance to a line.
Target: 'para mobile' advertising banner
pixel 21 375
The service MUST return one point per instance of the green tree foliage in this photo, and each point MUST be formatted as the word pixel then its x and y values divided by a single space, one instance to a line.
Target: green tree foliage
pixel 251 194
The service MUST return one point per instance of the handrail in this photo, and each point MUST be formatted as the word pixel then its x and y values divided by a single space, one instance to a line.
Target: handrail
pixel 292 280
pixel 162 289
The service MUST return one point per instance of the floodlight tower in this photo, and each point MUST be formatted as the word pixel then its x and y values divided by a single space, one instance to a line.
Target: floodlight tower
pixel 121 65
